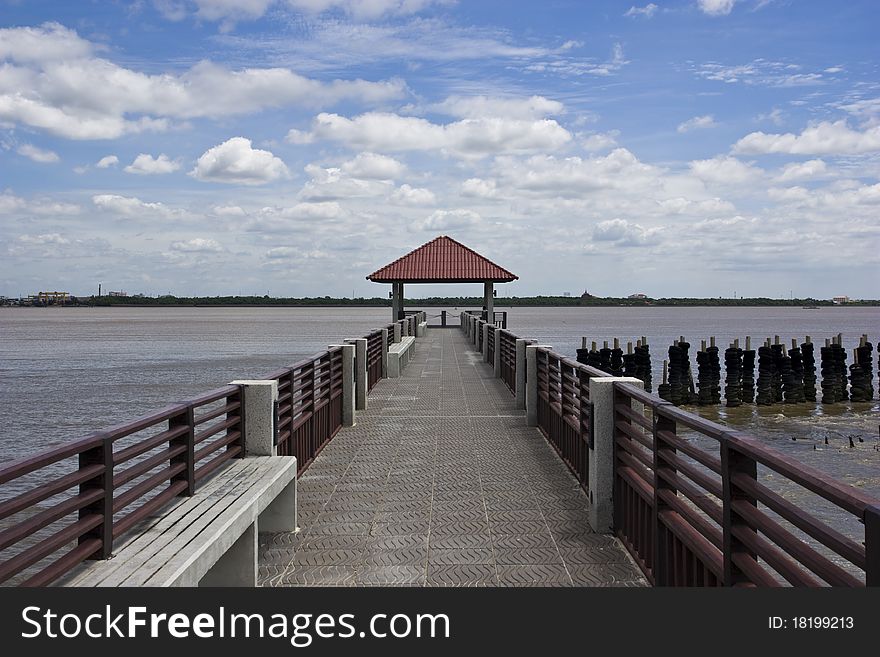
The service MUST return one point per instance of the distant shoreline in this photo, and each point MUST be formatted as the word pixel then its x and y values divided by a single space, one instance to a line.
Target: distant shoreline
pixel 469 303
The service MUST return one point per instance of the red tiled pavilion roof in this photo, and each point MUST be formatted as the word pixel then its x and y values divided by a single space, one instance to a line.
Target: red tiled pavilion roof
pixel 442 260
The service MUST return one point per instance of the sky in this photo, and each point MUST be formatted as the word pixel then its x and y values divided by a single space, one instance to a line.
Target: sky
pixel 710 148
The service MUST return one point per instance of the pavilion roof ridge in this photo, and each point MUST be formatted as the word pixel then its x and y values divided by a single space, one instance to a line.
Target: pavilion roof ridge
pixel 442 260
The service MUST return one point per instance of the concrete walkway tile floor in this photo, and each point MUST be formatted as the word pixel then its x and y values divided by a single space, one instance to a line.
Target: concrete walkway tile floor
pixel 441 483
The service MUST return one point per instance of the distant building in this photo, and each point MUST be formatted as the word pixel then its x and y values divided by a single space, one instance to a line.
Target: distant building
pixel 637 295
pixel 840 300
pixel 587 295
pixel 117 294
pixel 566 294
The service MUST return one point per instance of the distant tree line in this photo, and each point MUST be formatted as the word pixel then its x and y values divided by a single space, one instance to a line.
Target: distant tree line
pixel 464 302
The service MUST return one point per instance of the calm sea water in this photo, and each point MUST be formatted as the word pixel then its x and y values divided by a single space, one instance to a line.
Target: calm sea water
pixel 65 372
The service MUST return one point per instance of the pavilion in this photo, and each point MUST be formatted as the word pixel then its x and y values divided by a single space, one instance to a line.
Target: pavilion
pixel 442 260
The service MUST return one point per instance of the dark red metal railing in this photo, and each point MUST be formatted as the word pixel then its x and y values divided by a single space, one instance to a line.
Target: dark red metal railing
pixel 507 344
pixel 490 344
pixel 691 508
pixel 374 359
pixel 69 503
pixel 309 405
pixel 564 409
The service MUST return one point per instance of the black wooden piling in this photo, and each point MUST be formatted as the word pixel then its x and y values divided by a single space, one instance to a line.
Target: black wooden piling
pixel 766 367
pixel 643 363
pixel 748 373
pixel 733 368
pixel 808 358
pixel 830 385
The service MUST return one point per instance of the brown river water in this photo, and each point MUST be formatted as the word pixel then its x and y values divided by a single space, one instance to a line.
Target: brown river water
pixel 67 371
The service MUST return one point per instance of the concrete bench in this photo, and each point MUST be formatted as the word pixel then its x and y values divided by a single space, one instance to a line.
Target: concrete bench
pixel 209 539
pixel 399 354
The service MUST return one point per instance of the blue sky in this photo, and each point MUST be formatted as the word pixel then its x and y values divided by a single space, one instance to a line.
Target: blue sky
pixel 692 148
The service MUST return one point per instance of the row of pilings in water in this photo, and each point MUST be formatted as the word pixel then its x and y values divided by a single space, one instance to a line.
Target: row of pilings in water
pixel 636 362
pixel 772 374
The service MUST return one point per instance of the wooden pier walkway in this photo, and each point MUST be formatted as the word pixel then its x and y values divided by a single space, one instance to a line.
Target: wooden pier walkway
pixel 442 483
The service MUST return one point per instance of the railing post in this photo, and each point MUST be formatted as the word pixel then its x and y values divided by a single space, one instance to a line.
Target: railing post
pixel 872 546
pixel 734 462
pixel 260 400
pixel 496 360
pixel 519 386
pixel 398 332
pixel 101 455
pixel 348 384
pixel 603 451
pixel 187 457
pixel 360 369
pixel 531 387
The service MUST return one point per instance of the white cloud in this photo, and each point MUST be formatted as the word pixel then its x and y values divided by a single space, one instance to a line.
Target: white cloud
pixel 235 161
pixel 761 72
pixel 774 116
pixel 823 138
pixel 625 233
pixel 365 9
pixel 11 205
pixel 333 183
pixel 196 245
pixel 681 205
pixel 378 131
pixel 80 96
pixel 407 195
pixel 478 188
pixel 802 170
pixel 374 166
pixel 724 170
pixel 107 161
pixel 647 11
pixel 595 142
pixel 297 254
pixel 130 206
pixel 47 238
pixel 46 43
pixel 215 10
pixel 478 107
pixel 38 154
pixel 146 165
pixel 448 220
pixel 572 67
pixel 697 123
pixel 716 7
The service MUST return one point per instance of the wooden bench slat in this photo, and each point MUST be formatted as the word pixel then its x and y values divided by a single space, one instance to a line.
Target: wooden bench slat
pixel 152 537
pixel 180 558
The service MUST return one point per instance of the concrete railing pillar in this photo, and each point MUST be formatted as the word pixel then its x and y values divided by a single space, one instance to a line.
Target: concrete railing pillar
pixel 496 363
pixel 478 328
pixel 532 382
pixel 485 342
pixel 348 391
pixel 520 383
pixel 398 332
pixel 601 458
pixel 259 399
pixel 384 353
pixel 360 370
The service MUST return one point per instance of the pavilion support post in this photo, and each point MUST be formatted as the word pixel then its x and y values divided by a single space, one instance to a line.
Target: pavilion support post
pixel 395 301
pixel 489 301
pixel 401 301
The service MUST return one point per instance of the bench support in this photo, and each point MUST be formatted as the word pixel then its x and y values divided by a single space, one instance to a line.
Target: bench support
pixel 280 515
pixel 238 566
